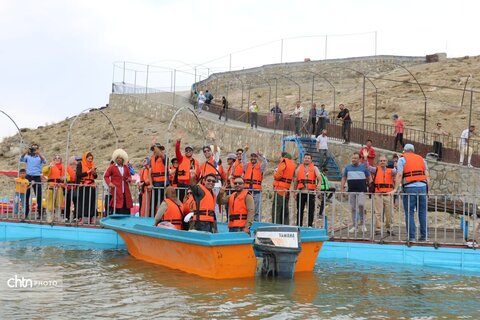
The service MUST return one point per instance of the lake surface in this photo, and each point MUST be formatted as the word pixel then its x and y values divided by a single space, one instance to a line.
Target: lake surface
pixel 104 283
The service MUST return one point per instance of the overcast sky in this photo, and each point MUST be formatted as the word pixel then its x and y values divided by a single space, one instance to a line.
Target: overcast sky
pixel 57 57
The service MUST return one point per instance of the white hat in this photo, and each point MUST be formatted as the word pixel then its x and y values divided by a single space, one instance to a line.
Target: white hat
pixel 120 153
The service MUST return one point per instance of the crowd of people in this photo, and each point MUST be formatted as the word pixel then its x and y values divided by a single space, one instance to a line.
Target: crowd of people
pixel 185 193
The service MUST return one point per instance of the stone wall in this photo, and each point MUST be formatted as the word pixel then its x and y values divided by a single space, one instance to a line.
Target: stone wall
pixel 371 65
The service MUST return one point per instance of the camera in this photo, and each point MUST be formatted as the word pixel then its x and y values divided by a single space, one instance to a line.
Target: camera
pixel 32 149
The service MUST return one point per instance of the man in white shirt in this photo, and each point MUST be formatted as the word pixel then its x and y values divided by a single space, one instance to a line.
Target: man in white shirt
pixel 322 147
pixel 464 145
pixel 298 114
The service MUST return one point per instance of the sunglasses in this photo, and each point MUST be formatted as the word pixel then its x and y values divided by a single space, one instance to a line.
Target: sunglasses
pixel 238 183
pixel 207 150
pixel 210 180
pixel 188 150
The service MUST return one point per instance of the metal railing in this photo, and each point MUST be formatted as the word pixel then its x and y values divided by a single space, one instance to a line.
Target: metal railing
pixel 375 218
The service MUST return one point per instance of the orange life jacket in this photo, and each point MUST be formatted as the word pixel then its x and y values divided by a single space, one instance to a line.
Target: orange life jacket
pixel 184 168
pixel 221 170
pixel 208 167
pixel 308 179
pixel 187 204
pixel 173 178
pixel 206 210
pixel 414 169
pixel 238 171
pixel 287 177
pixel 55 179
pixel 145 176
pixel 158 169
pixel 73 177
pixel 88 179
pixel 253 177
pixel 383 181
pixel 237 207
pixel 174 214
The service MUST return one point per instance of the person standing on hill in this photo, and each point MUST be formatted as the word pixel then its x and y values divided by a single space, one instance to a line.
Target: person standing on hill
pixel 200 101
pixel 34 160
pixel 438 135
pixel 322 116
pixel 465 146
pixel 344 115
pixel 399 129
pixel 254 109
pixel 298 116
pixel 277 111
pixel 313 117
pixel 208 99
pixel 224 110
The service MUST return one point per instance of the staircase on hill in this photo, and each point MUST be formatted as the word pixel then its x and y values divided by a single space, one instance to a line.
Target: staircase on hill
pixel 308 145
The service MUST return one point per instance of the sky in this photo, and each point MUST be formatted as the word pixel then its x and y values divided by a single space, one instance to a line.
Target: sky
pixel 57 57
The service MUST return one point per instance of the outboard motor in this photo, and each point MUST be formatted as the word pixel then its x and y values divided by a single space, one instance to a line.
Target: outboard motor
pixel 278 249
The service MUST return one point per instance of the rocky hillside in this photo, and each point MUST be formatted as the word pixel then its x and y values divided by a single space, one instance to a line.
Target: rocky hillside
pixel 396 91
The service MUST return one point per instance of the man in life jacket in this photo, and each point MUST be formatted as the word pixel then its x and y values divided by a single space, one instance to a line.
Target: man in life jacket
pixel 187 168
pixel 238 168
pixel 412 174
pixel 253 177
pixel 55 173
pixel 241 204
pixel 383 183
pixel 202 209
pixel 158 167
pixel 229 176
pixel 306 180
pixel 170 210
pixel 210 166
pixel 282 180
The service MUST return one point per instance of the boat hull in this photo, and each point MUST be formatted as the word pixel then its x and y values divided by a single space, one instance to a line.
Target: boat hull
pixel 216 262
pixel 223 255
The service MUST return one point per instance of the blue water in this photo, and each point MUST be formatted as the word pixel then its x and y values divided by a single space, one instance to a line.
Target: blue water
pixel 98 282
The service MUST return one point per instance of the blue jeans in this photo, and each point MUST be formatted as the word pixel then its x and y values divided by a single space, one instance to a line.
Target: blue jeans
pixel 19 199
pixel 415 197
